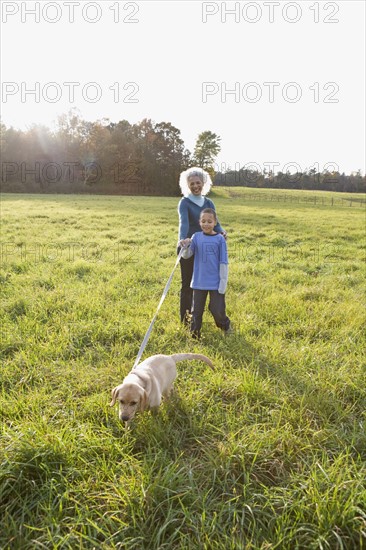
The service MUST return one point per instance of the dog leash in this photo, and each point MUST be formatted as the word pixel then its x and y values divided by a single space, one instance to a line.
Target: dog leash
pixel 165 292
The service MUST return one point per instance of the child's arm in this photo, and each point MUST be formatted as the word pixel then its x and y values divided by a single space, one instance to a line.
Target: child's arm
pixel 223 278
pixel 224 268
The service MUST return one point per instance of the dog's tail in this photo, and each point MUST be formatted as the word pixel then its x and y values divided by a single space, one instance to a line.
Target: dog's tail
pixel 190 356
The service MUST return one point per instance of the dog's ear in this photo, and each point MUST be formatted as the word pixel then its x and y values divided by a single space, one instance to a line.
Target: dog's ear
pixel 143 401
pixel 114 396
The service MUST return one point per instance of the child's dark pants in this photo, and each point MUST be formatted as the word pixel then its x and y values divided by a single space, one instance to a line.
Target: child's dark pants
pixel 216 306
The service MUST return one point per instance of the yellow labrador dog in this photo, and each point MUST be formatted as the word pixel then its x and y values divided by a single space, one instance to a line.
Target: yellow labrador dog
pixel 144 387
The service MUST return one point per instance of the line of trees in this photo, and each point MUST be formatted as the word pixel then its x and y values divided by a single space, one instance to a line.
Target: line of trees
pixel 122 158
pixel 312 179
pixel 100 157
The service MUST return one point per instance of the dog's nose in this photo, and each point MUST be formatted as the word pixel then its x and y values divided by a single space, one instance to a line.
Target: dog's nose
pixel 125 418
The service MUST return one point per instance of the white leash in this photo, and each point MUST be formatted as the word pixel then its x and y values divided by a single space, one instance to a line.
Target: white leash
pixel 165 292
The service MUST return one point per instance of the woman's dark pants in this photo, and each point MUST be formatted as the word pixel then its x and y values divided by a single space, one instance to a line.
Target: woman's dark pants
pixel 186 269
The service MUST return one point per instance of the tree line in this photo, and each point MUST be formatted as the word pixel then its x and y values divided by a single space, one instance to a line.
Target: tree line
pixel 311 179
pixel 145 158
pixel 100 157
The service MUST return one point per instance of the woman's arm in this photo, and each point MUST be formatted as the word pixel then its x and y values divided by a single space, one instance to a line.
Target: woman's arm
pixel 183 219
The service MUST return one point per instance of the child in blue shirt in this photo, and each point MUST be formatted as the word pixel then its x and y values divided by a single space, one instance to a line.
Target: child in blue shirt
pixel 210 272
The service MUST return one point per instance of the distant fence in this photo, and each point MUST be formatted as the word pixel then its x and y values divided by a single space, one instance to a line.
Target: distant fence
pixel 313 200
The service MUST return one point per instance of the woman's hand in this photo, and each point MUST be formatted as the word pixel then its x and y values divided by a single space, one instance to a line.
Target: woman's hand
pixel 184 243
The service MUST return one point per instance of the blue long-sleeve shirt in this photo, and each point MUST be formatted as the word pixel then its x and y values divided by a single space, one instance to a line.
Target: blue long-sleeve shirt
pixel 210 253
pixel 189 215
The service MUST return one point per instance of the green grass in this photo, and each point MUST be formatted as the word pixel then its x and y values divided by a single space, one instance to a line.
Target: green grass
pixel 267 452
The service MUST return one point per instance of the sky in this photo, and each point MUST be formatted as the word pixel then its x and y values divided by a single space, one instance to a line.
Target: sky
pixel 282 83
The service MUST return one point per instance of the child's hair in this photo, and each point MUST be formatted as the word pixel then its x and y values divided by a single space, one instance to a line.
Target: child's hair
pixel 191 172
pixel 209 211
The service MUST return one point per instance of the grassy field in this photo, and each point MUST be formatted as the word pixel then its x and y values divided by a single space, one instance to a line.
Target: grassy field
pixel 267 452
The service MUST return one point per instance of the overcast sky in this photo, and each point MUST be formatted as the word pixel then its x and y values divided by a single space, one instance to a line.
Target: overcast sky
pixel 282 83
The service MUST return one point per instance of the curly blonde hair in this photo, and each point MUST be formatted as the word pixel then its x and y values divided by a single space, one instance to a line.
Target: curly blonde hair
pixel 194 171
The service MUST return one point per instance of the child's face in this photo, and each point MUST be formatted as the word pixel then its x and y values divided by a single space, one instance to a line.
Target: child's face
pixel 207 223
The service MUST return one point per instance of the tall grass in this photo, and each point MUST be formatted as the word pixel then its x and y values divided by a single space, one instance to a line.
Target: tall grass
pixel 266 452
